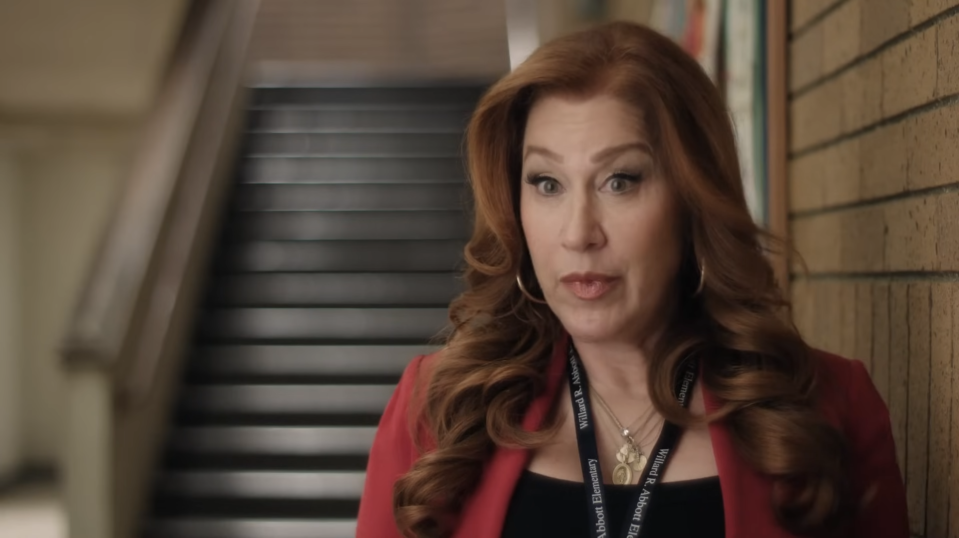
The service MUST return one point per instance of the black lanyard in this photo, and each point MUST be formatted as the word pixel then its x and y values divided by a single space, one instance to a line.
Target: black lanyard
pixel 589 454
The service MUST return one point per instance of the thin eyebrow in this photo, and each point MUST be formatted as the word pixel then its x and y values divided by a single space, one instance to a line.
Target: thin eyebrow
pixel 600 156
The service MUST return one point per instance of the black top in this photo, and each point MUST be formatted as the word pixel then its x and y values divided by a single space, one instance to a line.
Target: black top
pixel 546 506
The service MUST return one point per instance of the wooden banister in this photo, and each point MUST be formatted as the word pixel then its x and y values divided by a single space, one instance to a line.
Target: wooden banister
pixel 125 342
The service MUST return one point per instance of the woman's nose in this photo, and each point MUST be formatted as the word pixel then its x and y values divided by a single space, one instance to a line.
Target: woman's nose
pixel 582 230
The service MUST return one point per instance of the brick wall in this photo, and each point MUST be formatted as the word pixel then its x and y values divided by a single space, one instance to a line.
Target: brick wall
pixel 438 38
pixel 874 212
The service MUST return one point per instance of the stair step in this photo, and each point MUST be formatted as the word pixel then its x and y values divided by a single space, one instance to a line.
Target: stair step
pixel 353 143
pixel 186 416
pixel 349 225
pixel 411 325
pixel 305 360
pixel 353 169
pixel 285 256
pixel 263 484
pixel 465 96
pixel 275 399
pixel 344 289
pixel 352 197
pixel 232 461
pixel 251 528
pixel 274 440
pixel 368 118
pixel 256 509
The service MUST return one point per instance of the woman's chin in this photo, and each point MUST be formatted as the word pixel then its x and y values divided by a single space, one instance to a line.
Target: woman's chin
pixel 592 329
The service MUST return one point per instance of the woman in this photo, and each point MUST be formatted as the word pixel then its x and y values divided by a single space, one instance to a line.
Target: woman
pixel 620 363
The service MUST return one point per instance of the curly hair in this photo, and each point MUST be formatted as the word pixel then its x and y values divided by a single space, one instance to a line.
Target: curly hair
pixel 495 359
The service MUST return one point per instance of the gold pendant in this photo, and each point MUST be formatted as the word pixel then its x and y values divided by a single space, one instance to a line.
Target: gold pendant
pixel 631 460
pixel 622 474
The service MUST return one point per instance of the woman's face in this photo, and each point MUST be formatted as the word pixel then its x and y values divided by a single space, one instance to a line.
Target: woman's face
pixel 601 223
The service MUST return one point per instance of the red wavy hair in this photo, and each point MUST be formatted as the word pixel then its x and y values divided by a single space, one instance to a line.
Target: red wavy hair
pixel 494 361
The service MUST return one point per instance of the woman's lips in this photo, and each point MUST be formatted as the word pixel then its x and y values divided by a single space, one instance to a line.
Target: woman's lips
pixel 588 286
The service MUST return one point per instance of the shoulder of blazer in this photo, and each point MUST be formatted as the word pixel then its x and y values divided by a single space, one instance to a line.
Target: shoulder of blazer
pixel 850 401
pixel 392 454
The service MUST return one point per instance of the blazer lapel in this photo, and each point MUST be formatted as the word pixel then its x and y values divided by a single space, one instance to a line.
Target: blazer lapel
pixel 746 493
pixel 484 513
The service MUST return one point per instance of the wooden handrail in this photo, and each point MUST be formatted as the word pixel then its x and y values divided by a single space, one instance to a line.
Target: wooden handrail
pixel 117 280
pixel 203 165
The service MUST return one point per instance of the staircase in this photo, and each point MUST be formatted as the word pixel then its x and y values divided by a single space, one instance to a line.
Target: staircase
pixel 335 267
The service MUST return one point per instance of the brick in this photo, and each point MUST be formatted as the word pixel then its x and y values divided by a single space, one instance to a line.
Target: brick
pixel 871 72
pixel 829 315
pixel 863 332
pixel 941 339
pixel 954 426
pixel 947 235
pixel 948 83
pixel 803 11
pixel 931 142
pixel 805 58
pixel 818 240
pixel 911 241
pixel 840 171
pixel 816 116
pixel 884 161
pixel 881 338
pixel 863 243
pixel 883 20
pixel 923 10
pixel 840 31
pixel 803 309
pixel 899 368
pixel 861 95
pixel 917 464
pixel 806 182
pixel 909 73
pixel 847 318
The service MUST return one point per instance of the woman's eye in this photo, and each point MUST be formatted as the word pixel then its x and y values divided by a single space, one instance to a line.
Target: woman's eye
pixel 544 184
pixel 622 182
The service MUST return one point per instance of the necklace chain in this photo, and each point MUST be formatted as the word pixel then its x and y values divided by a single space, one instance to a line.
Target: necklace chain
pixel 624 431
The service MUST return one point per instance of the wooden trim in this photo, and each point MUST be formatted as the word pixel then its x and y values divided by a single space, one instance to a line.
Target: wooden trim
pixel 777 36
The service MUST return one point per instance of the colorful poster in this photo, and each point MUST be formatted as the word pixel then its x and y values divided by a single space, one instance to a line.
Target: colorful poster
pixel 694 24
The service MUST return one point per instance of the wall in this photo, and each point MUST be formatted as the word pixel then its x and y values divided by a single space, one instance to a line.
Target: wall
pixel 435 38
pixel 65 203
pixel 874 211
pixel 76 79
pixel 10 351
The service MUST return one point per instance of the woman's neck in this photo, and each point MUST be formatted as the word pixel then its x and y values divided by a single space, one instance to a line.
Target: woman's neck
pixel 616 369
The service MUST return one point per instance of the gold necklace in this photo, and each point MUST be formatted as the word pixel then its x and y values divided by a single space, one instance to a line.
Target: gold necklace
pixel 630 456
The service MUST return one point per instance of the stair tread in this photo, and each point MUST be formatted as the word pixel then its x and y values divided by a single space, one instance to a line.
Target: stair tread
pixel 241 527
pixel 264 484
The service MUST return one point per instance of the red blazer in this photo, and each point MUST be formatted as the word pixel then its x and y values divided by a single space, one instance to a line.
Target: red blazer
pixel 850 402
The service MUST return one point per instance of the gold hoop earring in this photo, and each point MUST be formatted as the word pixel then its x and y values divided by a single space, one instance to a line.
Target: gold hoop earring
pixel 528 295
pixel 702 279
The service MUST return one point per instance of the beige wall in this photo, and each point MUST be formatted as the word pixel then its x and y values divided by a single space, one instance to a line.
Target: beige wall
pixel 10 351
pixel 65 203
pixel 435 38
pixel 91 58
pixel 875 213
pixel 76 79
